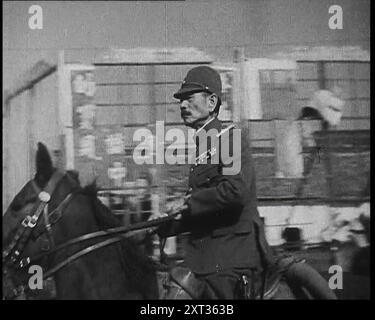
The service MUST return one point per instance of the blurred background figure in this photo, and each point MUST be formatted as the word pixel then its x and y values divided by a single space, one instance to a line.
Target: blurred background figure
pixel 143 195
pixel 325 105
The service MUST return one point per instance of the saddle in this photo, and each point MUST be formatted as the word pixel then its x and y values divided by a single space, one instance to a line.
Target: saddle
pixel 184 285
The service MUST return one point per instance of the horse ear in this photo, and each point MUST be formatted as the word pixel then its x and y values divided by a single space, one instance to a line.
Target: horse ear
pixel 44 167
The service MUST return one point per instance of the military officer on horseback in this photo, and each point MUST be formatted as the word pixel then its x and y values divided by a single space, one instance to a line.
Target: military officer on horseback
pixel 226 244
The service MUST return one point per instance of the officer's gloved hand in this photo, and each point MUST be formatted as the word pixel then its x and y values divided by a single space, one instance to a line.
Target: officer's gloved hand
pixel 179 208
pixel 155 216
pixel 178 212
pixel 183 211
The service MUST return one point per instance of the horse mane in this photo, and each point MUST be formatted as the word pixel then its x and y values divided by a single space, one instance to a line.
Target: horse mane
pixel 103 215
pixel 141 268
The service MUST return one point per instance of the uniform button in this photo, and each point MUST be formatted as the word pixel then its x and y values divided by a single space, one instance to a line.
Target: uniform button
pixel 190 190
pixel 218 268
pixel 208 180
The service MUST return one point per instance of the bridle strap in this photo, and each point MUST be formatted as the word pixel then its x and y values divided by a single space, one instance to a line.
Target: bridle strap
pixel 52 183
pixel 53 216
pixel 141 226
pixel 14 250
pixel 23 233
pixel 135 228
pixel 24 288
pixel 85 251
pixel 47 225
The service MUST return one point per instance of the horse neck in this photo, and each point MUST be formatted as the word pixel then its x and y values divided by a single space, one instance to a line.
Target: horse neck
pixel 100 274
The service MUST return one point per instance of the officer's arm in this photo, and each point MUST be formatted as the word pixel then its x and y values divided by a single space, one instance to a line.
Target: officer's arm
pixel 230 193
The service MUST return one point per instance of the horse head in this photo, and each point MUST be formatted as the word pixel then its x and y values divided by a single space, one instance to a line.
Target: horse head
pixel 25 200
pixel 67 212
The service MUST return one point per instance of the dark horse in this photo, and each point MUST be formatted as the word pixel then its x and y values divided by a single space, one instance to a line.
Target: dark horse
pixel 117 271
pixel 39 229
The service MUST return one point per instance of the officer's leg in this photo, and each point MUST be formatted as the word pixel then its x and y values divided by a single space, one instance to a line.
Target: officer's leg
pixel 184 284
pixel 231 284
pixel 220 285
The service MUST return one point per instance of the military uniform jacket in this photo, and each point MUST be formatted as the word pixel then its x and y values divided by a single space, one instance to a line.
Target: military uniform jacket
pixel 225 230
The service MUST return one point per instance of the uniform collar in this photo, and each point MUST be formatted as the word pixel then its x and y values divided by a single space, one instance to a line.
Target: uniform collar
pixel 213 123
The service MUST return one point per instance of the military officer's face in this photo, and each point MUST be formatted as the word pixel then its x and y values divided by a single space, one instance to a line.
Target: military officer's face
pixel 196 107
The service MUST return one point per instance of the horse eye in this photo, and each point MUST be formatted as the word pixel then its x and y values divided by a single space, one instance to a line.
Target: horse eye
pixel 19 205
pixel 31 200
pixel 27 209
pixel 16 206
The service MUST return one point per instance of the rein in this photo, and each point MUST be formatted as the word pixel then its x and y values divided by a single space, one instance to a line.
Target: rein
pixel 13 251
pixel 21 289
pixel 140 226
pixel 132 230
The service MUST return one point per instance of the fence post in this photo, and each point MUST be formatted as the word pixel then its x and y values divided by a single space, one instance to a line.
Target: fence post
pixel 6 156
pixel 238 85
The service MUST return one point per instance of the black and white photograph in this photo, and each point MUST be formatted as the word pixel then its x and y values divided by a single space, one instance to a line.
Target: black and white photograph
pixel 186 150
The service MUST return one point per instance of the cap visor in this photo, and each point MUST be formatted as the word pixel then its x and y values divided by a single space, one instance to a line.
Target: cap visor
pixel 184 92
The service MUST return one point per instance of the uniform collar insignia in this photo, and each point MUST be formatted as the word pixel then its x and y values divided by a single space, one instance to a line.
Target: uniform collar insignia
pixel 205 155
